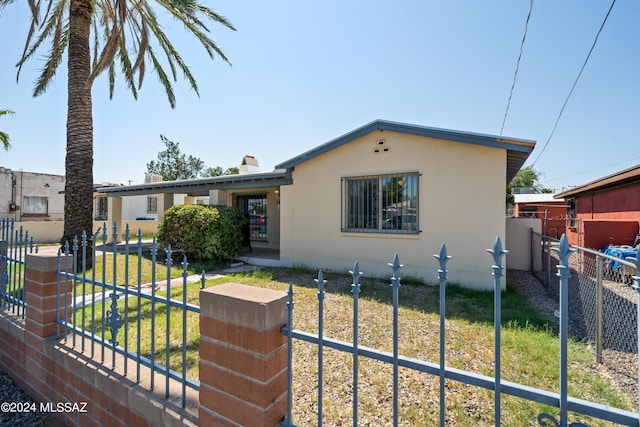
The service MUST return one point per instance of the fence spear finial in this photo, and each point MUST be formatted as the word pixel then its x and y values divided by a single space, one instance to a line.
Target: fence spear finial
pixel 442 261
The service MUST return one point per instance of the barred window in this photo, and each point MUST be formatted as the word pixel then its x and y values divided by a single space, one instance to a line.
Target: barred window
pixel 102 208
pixel 152 204
pixel 381 203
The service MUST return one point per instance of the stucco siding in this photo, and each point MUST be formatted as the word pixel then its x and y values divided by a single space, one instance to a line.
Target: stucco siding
pixel 461 203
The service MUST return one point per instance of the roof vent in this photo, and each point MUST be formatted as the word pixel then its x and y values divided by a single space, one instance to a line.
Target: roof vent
pixel 151 177
pixel 381 147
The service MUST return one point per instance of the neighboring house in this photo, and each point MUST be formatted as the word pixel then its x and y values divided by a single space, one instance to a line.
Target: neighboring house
pixel 551 211
pixel 605 211
pixel 383 188
pixel 140 208
pixel 31 196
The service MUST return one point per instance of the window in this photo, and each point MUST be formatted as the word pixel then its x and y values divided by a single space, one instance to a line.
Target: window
pixel 152 204
pixel 35 206
pixel 101 207
pixel 381 204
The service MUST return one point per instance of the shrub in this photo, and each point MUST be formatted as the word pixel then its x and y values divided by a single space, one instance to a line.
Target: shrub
pixel 202 233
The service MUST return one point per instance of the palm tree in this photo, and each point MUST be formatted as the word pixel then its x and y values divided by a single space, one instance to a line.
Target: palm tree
pixel 97 35
pixel 4 137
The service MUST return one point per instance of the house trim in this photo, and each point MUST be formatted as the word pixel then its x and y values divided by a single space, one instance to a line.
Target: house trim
pixel 517 149
pixel 618 179
pixel 201 186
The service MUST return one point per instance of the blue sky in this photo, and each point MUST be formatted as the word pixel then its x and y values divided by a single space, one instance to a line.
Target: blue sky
pixel 306 72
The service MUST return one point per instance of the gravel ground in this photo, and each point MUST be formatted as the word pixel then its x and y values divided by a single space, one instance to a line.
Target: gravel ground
pixel 621 367
pixel 20 411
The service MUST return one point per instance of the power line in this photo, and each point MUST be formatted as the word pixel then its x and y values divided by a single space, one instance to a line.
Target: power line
pixel 513 85
pixel 575 83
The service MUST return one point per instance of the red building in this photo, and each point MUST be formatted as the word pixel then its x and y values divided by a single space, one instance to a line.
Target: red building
pixel 552 212
pixel 605 211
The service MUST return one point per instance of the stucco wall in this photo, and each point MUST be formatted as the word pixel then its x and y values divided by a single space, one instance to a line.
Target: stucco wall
pixel 16 185
pixel 461 203
pixel 518 241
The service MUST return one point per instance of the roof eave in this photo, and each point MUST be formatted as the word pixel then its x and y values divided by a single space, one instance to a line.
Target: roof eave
pixel 518 150
pixel 201 186
pixel 614 180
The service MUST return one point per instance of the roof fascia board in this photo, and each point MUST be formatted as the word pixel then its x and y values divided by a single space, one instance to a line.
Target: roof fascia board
pixel 617 179
pixel 201 185
pixel 511 144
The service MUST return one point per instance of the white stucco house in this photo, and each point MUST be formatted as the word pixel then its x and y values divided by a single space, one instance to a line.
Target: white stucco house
pixel 31 196
pixel 382 188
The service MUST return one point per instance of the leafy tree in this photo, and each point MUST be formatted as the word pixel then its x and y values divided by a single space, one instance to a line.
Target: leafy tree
pixel 217 171
pixel 526 177
pixel 97 36
pixel 174 165
pixel 4 137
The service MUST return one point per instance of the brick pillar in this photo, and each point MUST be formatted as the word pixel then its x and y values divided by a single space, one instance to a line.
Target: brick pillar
pixel 41 287
pixel 243 356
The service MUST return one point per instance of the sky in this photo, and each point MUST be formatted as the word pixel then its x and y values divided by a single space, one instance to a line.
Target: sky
pixel 305 72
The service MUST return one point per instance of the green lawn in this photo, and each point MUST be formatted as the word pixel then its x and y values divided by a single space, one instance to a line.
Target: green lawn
pixel 529 353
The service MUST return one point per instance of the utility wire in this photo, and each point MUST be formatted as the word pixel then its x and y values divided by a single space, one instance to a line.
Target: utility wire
pixel 513 85
pixel 575 83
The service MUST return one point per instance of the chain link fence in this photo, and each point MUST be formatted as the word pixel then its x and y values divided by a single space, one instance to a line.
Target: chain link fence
pixel 603 304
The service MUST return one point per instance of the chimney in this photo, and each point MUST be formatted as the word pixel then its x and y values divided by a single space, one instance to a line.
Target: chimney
pixel 249 164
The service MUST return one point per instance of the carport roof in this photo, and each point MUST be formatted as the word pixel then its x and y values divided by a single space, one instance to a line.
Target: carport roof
pixel 201 186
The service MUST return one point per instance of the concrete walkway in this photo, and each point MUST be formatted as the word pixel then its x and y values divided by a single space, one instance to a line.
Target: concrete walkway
pixel 89 299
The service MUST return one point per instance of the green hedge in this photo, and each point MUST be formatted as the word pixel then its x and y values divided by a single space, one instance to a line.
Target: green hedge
pixel 202 233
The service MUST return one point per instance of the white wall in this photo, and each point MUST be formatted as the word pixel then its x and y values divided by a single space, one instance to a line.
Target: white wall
pixel 16 185
pixel 136 207
pixel 461 203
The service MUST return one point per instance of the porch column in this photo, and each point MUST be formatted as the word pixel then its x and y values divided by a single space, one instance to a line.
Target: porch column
pixel 218 197
pixel 165 201
pixel 114 213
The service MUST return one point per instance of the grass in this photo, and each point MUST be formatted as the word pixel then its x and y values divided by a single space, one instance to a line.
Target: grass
pixel 134 269
pixel 529 351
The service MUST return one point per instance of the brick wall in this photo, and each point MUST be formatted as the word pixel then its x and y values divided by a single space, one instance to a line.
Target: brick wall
pixel 243 362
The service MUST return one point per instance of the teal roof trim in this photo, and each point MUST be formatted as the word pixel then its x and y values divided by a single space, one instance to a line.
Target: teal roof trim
pixel 518 150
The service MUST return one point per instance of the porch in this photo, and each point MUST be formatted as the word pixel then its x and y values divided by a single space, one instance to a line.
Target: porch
pixel 264 257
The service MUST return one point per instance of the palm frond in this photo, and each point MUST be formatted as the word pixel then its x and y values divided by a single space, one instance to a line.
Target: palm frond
pixel 53 61
pixel 163 78
pixel 53 27
pixel 4 140
pixel 4 137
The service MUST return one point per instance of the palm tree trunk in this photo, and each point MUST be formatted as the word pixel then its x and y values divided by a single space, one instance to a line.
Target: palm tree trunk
pixel 78 198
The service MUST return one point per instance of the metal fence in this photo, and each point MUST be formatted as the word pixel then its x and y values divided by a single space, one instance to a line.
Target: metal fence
pixel 115 310
pixel 15 244
pixel 603 304
pixel 499 387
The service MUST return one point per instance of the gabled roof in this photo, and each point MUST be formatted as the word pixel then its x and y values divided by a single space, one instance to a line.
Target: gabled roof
pixel 518 150
pixel 616 179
